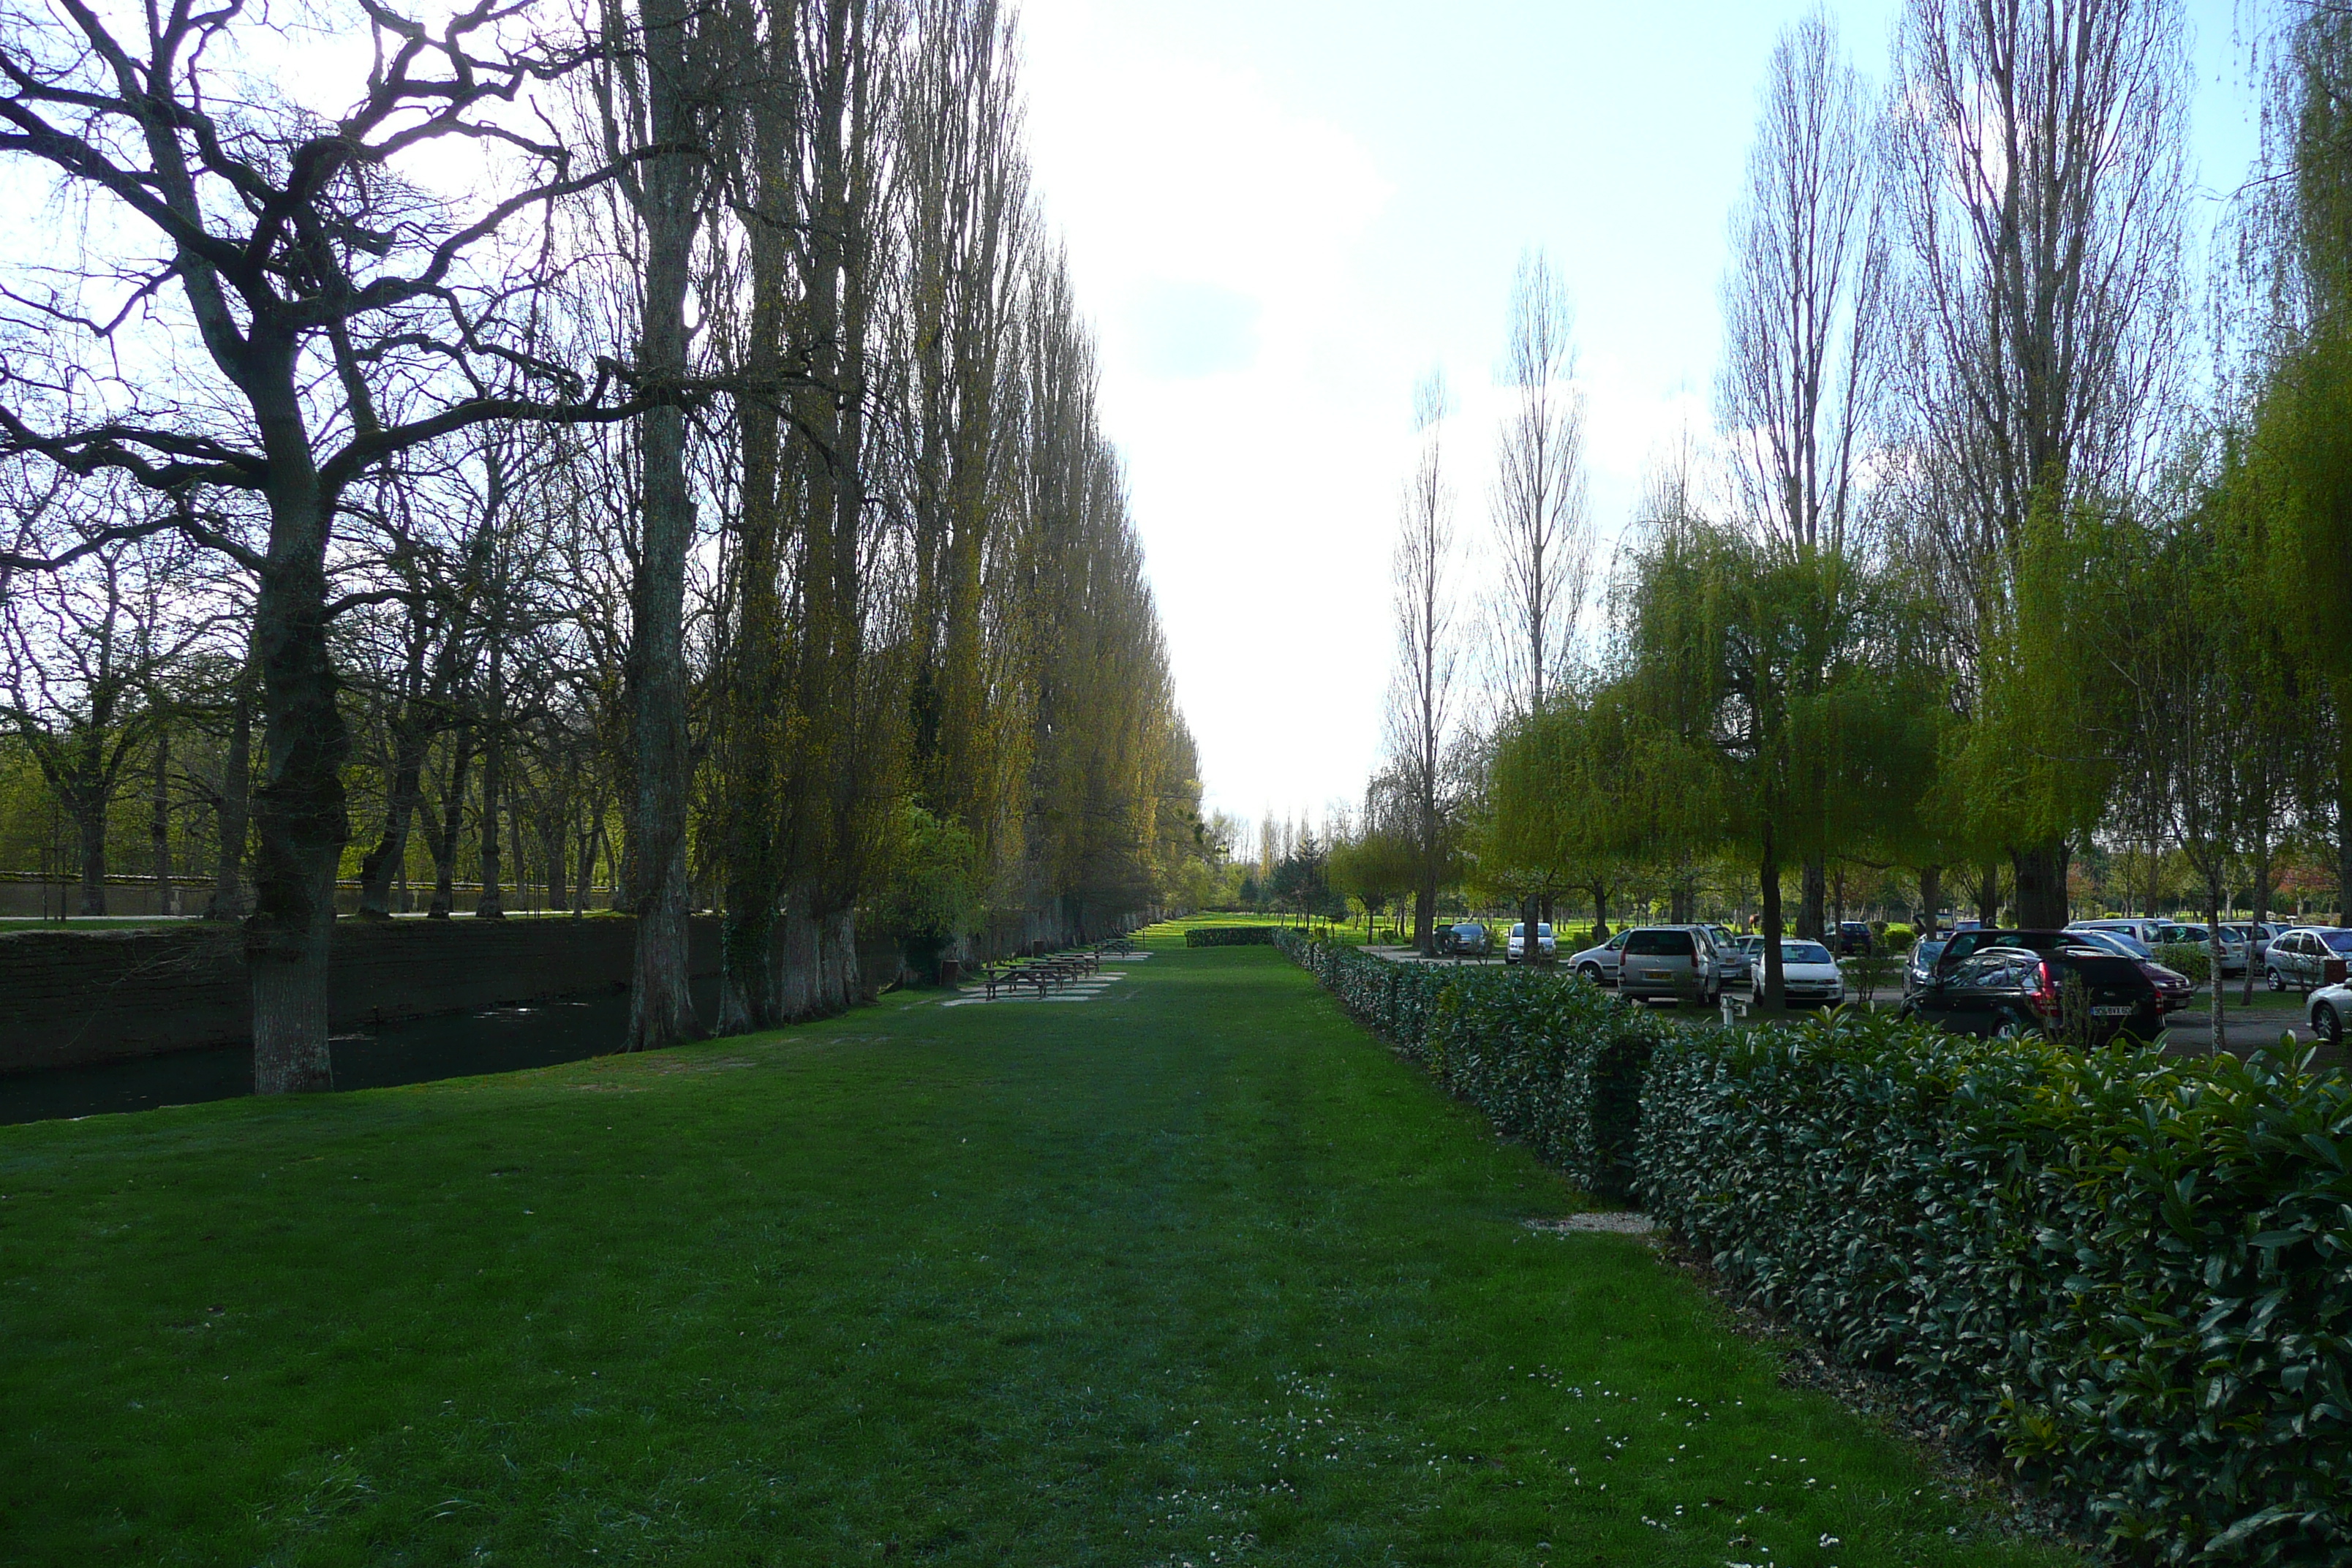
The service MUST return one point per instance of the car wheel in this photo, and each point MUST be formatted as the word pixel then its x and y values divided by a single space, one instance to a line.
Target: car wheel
pixel 2277 981
pixel 2009 1029
pixel 1589 972
pixel 2326 1024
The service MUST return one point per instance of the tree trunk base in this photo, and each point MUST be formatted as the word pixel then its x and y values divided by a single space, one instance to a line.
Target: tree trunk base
pixel 289 1025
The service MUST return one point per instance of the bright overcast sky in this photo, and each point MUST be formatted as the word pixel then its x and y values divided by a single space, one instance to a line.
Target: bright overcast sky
pixel 1280 212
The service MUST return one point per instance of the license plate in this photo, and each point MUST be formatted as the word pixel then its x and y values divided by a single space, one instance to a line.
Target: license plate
pixel 2112 1012
pixel 1655 973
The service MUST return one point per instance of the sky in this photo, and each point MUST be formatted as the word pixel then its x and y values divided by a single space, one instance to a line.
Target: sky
pixel 1281 213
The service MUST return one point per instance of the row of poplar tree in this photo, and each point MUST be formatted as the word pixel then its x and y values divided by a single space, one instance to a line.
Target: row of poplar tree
pixel 2025 527
pixel 656 446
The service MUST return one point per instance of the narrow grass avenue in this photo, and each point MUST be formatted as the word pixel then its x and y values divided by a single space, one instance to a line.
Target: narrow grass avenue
pixel 1192 1272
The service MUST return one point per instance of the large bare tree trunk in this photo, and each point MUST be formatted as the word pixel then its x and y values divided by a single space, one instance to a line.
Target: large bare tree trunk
pixel 661 1011
pixel 90 832
pixel 159 828
pixel 1773 995
pixel 2041 894
pixel 228 876
pixel 490 903
pixel 797 963
pixel 751 825
pixel 298 809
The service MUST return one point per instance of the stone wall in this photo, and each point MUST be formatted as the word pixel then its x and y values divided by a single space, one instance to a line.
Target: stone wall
pixel 74 997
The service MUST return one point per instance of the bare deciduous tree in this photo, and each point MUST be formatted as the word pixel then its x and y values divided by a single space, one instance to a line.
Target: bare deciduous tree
pixel 1421 718
pixel 1803 326
pixel 1543 528
pixel 2043 150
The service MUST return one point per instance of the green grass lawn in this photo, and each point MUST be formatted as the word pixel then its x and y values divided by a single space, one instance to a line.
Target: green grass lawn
pixel 1194 1272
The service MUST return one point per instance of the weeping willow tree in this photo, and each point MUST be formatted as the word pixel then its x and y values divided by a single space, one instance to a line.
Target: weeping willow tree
pixel 2297 250
pixel 1782 719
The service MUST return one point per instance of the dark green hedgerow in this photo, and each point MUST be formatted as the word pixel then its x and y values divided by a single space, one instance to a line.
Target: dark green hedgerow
pixel 1549 1059
pixel 2129 1274
pixel 2132 1273
pixel 1230 936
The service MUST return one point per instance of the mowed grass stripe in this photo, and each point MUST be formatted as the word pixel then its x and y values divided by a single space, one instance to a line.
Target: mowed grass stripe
pixel 1196 1273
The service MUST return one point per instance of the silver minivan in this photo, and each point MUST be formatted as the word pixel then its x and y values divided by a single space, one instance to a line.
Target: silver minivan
pixel 2300 959
pixel 1670 962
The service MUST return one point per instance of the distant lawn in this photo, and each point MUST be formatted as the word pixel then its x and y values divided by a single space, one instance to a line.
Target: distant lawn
pixel 1191 1273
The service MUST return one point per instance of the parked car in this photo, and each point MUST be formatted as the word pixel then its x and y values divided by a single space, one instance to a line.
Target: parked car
pixel 1970 938
pixel 2005 990
pixel 1599 964
pixel 2121 941
pixel 1920 963
pixel 1809 976
pixel 2176 988
pixel 2256 935
pixel 1669 963
pixel 1733 949
pixel 2140 929
pixel 2181 933
pixel 1465 939
pixel 2307 957
pixel 2327 1008
pixel 1853 939
pixel 1515 945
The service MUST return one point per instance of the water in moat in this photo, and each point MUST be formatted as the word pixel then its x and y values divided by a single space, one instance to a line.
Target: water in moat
pixel 405 1050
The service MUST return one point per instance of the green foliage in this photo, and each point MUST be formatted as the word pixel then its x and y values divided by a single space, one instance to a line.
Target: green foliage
pixel 2131 1275
pixel 934 890
pixel 2193 959
pixel 2126 1271
pixel 1229 936
pixel 2035 765
pixel 1897 938
pixel 1548 1058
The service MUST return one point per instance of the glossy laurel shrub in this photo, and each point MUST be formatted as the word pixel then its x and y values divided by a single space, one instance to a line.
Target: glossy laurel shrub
pixel 1230 936
pixel 2193 959
pixel 2131 1274
pixel 1549 1059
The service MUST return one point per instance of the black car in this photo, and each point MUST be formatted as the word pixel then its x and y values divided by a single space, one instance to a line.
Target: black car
pixel 1920 963
pixel 1853 939
pixel 2001 989
pixel 1964 943
pixel 1467 939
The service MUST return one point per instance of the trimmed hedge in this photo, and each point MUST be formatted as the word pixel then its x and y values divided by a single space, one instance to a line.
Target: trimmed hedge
pixel 2129 1274
pixel 1548 1058
pixel 1230 936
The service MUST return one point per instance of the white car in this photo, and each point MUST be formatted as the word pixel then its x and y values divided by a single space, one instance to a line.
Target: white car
pixel 2255 934
pixel 1515 947
pixel 1809 977
pixel 2327 1009
pixel 2178 933
pixel 2140 931
pixel 1733 949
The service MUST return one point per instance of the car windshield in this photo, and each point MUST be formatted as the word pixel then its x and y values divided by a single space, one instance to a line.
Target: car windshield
pixel 1543 928
pixel 1469 931
pixel 1927 950
pixel 2123 940
pixel 1805 952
